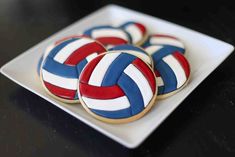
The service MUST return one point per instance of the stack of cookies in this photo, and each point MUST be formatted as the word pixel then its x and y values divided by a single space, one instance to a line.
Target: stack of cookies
pixel 116 73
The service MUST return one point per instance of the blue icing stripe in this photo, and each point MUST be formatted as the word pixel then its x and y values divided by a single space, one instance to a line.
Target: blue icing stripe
pixel 81 66
pixel 124 113
pixel 181 50
pixel 39 65
pixel 128 35
pixel 132 92
pixel 59 69
pixel 168 76
pixel 89 31
pixel 164 51
pixel 127 47
pixel 56 49
pixel 127 24
pixel 116 69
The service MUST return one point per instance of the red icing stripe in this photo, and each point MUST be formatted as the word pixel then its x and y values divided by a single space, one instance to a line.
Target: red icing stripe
pixel 167 36
pixel 111 40
pixel 141 27
pixel 87 71
pixel 61 92
pixel 184 63
pixel 84 51
pixel 109 92
pixel 139 64
pixel 157 73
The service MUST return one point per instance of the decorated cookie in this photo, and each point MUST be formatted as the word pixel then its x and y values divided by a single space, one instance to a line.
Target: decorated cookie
pixel 137 51
pixel 171 69
pixel 137 32
pixel 117 87
pixel 165 40
pixel 62 66
pixel 108 35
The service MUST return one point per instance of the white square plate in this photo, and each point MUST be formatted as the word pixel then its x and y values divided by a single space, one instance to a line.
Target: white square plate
pixel 204 53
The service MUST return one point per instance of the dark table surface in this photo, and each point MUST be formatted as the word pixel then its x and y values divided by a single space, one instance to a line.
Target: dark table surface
pixel 203 125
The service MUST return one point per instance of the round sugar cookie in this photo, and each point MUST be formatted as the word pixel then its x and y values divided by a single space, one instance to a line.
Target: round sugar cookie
pixel 117 87
pixel 134 50
pixel 137 32
pixel 108 35
pixel 62 66
pixel 171 68
pixel 166 41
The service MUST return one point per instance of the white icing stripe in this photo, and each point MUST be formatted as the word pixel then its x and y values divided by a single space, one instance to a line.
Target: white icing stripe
pixel 101 68
pixel 107 104
pixel 166 41
pixel 177 68
pixel 141 82
pixel 152 49
pixel 65 52
pixel 91 56
pixel 135 33
pixel 141 55
pixel 159 81
pixel 67 83
pixel 109 33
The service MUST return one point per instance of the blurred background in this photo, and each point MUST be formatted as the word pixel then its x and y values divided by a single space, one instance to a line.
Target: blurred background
pixel 203 125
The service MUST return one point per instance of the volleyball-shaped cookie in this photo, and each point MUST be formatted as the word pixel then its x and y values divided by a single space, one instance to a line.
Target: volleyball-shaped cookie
pixel 108 35
pixel 136 30
pixel 134 50
pixel 117 87
pixel 62 67
pixel 171 68
pixel 166 41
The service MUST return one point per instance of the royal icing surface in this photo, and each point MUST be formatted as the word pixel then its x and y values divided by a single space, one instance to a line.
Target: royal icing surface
pixel 117 85
pixel 108 35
